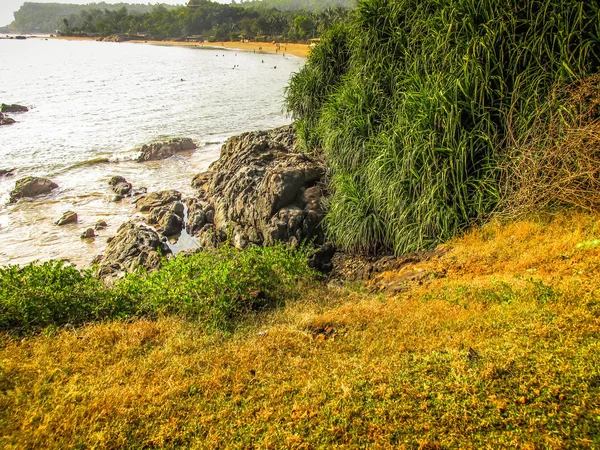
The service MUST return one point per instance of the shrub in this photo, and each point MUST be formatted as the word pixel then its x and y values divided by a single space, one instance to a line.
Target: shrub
pixel 417 107
pixel 56 294
pixel 213 287
pixel 217 286
pixel 557 162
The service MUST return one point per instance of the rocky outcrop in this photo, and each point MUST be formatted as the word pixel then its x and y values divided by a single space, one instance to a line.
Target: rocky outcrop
pixel 4 108
pixel 260 191
pixel 157 200
pixel 5 120
pixel 167 220
pixel 67 218
pixel 31 187
pixel 163 150
pixel 134 245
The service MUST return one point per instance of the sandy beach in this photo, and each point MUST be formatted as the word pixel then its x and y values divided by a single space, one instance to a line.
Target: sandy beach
pixel 300 50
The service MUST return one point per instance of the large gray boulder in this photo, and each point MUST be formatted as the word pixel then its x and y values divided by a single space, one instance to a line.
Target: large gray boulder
pixel 163 150
pixel 262 191
pixel 134 245
pixel 31 187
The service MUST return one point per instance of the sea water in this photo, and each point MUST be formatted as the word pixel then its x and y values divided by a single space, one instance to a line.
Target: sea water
pixel 93 105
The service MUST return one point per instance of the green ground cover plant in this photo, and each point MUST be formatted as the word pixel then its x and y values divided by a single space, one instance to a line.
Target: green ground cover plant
pixel 213 287
pixel 417 104
pixel 500 350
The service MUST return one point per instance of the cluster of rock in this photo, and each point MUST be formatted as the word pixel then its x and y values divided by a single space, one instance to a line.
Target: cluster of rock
pixel 30 187
pixel 137 244
pixel 260 192
pixel 4 108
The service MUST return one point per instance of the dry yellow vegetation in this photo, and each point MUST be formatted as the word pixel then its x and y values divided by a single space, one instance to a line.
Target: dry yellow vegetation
pixel 496 346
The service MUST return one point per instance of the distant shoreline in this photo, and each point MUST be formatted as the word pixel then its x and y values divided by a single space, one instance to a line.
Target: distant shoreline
pixel 300 50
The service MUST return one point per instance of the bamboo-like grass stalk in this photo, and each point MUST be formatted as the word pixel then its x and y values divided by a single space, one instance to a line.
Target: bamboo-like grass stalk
pixel 416 104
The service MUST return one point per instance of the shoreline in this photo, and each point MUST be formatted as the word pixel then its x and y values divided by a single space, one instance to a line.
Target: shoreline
pixel 89 202
pixel 299 50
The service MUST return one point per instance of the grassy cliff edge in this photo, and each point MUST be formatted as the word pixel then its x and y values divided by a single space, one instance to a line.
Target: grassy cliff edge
pixel 494 345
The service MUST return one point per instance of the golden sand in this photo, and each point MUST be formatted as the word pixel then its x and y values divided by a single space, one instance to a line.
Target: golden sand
pixel 300 50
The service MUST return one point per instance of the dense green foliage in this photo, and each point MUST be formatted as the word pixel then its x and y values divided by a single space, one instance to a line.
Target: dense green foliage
pixel 216 286
pixel 201 18
pixel 307 5
pixel 53 294
pixel 48 17
pixel 213 287
pixel 414 102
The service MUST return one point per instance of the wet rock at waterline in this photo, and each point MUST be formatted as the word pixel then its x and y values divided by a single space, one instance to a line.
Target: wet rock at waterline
pixel 67 218
pixel 120 186
pixel 168 220
pixel 122 189
pixel 157 199
pixel 262 191
pixel 163 150
pixel 100 225
pixel 7 172
pixel 200 213
pixel 139 191
pixel 4 108
pixel 133 245
pixel 88 234
pixel 31 187
pixel 5 120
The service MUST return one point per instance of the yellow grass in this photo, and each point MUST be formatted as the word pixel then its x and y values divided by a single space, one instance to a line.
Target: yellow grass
pixel 497 347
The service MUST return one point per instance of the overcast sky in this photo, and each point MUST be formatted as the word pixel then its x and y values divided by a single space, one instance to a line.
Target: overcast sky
pixel 8 7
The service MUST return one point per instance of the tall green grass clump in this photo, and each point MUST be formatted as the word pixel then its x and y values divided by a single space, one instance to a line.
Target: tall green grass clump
pixel 418 104
pixel 213 287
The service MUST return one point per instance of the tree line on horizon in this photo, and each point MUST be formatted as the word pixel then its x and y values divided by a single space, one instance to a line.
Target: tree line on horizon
pixel 201 18
pixel 292 5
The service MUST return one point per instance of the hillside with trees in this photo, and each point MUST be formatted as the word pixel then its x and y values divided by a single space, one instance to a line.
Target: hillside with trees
pixel 202 19
pixel 48 17
pixel 307 5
